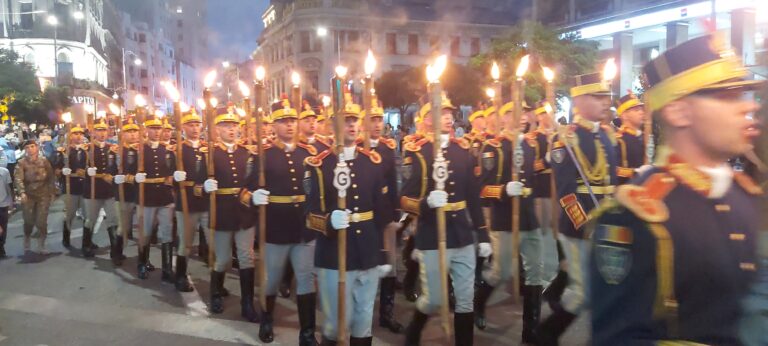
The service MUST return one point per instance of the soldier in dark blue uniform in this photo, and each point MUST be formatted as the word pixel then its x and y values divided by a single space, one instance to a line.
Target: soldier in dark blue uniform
pixel 363 218
pixel 192 153
pixel 497 156
pixel 630 143
pixel 287 238
pixel 675 254
pixel 386 148
pixel 126 182
pixel 104 156
pixel 234 219
pixel 71 168
pixel 158 199
pixel 583 160
pixel 464 216
pixel 308 130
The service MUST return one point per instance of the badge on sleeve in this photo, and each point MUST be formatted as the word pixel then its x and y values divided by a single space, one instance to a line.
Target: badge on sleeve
pixel 558 155
pixel 488 160
pixel 613 257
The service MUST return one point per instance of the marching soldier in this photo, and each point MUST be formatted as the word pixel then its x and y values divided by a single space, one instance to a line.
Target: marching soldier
pixel 102 196
pixel 234 223
pixel 192 154
pixel 386 148
pixel 308 130
pixel 675 253
pixel 477 136
pixel 166 136
pixel 461 201
pixel 287 238
pixel 363 222
pixel 126 181
pixel 75 172
pixel 34 181
pixel 158 200
pixel 583 160
pixel 631 146
pixel 498 188
pixel 410 280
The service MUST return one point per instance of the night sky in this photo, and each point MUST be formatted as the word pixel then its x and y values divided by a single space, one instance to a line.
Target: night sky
pixel 234 26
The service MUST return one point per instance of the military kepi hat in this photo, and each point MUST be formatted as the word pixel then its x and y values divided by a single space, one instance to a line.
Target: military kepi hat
pixel 590 84
pixel 628 102
pixel 700 64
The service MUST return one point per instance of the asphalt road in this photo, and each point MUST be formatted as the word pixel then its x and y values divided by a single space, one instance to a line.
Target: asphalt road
pixel 64 299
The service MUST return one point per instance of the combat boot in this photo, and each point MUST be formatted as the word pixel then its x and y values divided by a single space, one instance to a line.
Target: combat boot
pixel 387 306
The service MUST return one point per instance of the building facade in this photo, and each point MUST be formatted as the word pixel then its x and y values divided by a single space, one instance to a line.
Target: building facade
pixel 313 36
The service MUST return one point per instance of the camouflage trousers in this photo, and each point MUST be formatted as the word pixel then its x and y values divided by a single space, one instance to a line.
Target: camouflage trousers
pixel 35 214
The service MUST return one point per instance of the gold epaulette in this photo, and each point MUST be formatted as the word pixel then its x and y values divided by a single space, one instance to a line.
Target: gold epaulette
pixel 308 147
pixel 747 184
pixel 203 149
pixel 61 149
pixel 416 145
pixel 317 160
pixel 114 148
pixel 494 142
pixel 134 146
pixel 83 146
pixel 646 201
pixel 374 156
pixel 323 140
pixel 463 143
pixel 389 142
pixel 170 147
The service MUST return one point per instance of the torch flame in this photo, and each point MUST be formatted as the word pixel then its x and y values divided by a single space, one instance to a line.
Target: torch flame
pixel 295 78
pixel 184 107
pixel 139 100
pixel 159 113
pixel 260 73
pixel 115 109
pixel 548 108
pixel 240 111
pixel 326 101
pixel 201 103
pixel 341 71
pixel 101 114
pixel 434 71
pixel 209 79
pixel 490 93
pixel 495 71
pixel 370 63
pixel 214 101
pixel 244 89
pixel 173 93
pixel 549 75
pixel 610 69
pixel 522 67
pixel 66 117
pixel 88 108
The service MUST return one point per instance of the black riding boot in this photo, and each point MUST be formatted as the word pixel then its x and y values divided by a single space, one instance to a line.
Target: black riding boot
pixel 555 290
pixel 247 278
pixel 119 250
pixel 550 330
pixel 113 253
pixel 217 302
pixel 411 272
pixel 482 294
pixel 367 341
pixel 167 262
pixel 202 248
pixel 86 246
pixel 531 313
pixel 65 235
pixel 143 272
pixel 413 331
pixel 463 329
pixel 266 334
pixel 183 284
pixel 387 306
pixel 285 284
pixel 306 304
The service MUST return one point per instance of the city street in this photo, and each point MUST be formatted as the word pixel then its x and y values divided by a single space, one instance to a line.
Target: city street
pixel 64 299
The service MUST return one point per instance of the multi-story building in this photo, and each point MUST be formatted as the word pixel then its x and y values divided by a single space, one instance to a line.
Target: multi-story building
pixel 635 31
pixel 313 36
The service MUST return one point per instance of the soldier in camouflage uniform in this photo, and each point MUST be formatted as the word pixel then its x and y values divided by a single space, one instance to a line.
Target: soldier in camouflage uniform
pixel 34 182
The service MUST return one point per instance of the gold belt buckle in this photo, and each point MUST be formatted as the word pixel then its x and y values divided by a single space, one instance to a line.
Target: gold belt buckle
pixel 294 198
pixel 355 217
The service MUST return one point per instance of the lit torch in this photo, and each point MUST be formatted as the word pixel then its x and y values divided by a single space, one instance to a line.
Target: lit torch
pixel 370 67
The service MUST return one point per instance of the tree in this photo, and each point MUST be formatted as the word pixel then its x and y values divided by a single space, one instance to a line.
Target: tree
pixel 566 55
pixel 400 89
pixel 18 78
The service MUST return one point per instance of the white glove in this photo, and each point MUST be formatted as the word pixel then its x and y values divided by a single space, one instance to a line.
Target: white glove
pixel 260 197
pixel 91 171
pixel 514 188
pixel 484 250
pixel 66 171
pixel 340 219
pixel 415 254
pixel 179 176
pixel 140 177
pixel 642 169
pixel 210 185
pixel 384 269
pixel 119 179
pixel 437 199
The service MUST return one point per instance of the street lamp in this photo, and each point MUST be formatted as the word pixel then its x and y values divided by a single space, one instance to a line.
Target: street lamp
pixel 136 61
pixel 53 21
pixel 225 64
pixel 78 15
pixel 322 31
